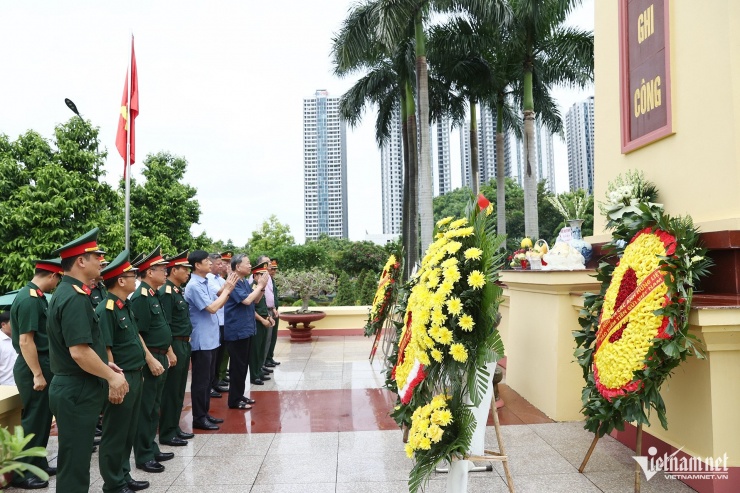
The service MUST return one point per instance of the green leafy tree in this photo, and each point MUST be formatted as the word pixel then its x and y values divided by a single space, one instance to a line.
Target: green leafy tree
pixel 271 236
pixel 50 192
pixel 359 283
pixel 300 257
pixel 345 291
pixel 363 255
pixel 369 287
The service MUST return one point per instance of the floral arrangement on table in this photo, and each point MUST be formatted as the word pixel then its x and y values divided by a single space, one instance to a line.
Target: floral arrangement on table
pixel 635 331
pixel 383 296
pixel 569 208
pixel 447 338
pixel 529 256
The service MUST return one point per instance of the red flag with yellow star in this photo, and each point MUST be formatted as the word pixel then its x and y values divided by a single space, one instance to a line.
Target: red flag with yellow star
pixel 129 112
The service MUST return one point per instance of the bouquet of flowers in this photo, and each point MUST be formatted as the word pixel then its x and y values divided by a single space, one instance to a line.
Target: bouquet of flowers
pixel 447 338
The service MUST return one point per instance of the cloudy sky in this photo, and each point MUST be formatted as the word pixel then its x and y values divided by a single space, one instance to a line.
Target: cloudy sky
pixel 221 83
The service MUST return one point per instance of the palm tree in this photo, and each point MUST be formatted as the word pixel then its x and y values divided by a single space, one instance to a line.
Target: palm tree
pixel 393 19
pixel 387 85
pixel 549 54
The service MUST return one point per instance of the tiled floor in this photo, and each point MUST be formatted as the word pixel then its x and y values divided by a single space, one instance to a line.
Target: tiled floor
pixel 321 425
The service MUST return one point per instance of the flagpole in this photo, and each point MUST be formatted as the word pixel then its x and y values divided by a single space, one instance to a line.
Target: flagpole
pixel 128 151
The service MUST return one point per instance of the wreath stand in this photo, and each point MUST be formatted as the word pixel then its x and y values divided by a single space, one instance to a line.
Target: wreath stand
pixel 638 451
pixel 388 335
pixel 457 480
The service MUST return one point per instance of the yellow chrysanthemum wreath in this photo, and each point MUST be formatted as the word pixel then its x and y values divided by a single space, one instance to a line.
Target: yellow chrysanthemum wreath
pixel 383 296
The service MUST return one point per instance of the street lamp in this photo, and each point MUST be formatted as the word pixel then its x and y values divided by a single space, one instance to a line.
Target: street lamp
pixel 72 106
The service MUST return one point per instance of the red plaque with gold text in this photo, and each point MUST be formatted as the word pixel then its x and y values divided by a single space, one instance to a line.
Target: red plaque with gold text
pixel 644 72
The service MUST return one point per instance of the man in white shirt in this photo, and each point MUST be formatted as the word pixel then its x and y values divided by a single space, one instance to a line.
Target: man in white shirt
pixel 7 353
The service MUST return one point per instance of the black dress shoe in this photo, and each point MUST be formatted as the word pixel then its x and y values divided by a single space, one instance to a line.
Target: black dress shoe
pixel 273 362
pixel 125 489
pixel 221 388
pixel 226 379
pixel 247 400
pixel 213 419
pixel 51 471
pixel 257 382
pixel 163 456
pixel 266 370
pixel 175 442
pixel 185 435
pixel 204 424
pixel 151 466
pixel 215 394
pixel 31 483
pixel 137 485
pixel 266 377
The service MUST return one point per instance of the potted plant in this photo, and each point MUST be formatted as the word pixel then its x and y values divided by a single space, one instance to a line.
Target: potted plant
pixel 305 284
pixel 573 208
pixel 13 447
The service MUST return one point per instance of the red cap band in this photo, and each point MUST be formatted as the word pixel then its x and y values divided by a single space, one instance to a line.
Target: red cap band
pixel 125 267
pixel 50 267
pixel 79 249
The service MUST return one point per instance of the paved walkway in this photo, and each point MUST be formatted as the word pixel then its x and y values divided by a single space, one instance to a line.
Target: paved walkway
pixel 321 426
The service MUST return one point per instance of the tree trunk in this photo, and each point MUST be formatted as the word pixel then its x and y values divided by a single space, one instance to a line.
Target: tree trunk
pixel 529 180
pixel 500 171
pixel 474 157
pixel 426 211
pixel 412 219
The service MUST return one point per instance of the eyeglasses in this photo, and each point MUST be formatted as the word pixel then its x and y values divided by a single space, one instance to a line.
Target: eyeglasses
pixel 128 276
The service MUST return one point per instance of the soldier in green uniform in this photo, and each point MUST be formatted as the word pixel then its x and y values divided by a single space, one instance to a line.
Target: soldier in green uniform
pixel 176 312
pixel 270 357
pixel 97 288
pixel 32 371
pixel 257 351
pixel 157 338
pixel 79 363
pixel 118 329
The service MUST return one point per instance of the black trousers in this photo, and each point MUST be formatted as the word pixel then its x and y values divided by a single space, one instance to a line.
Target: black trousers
pixel 203 366
pixel 219 356
pixel 238 366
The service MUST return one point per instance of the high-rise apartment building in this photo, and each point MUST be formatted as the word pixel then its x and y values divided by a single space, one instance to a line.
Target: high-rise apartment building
pixel 486 149
pixel 391 176
pixel 324 167
pixel 579 137
pixel 444 177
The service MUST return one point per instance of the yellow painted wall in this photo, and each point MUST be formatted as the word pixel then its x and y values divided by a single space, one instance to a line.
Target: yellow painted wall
pixel 697 169
pixel 337 317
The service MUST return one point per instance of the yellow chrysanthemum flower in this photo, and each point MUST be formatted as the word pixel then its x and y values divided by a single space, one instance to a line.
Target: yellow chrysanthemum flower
pixel 437 355
pixel 476 279
pixel 473 253
pixel 444 221
pixel 489 209
pixel 445 288
pixel 450 262
pixel 434 433
pixel 438 401
pixel 466 323
pixel 459 223
pixel 454 306
pixel 445 336
pixel 442 417
pixel 451 274
pixel 409 451
pixel 425 443
pixel 438 318
pixel 453 247
pixel 459 353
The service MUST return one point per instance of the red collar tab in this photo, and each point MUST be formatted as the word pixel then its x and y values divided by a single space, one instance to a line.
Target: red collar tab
pixel 86 289
pixel 119 304
pixel 41 293
pixel 151 292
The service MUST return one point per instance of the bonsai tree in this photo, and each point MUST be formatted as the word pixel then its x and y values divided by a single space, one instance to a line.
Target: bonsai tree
pixel 11 448
pixel 305 284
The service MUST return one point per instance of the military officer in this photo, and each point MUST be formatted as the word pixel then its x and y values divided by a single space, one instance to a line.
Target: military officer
pixel 97 288
pixel 79 363
pixel 176 312
pixel 118 329
pixel 32 371
pixel 257 375
pixel 157 338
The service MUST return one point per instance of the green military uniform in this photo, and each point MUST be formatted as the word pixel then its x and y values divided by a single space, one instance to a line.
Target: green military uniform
pixel 98 294
pixel 257 350
pixel 157 336
pixel 28 315
pixel 176 312
pixel 121 335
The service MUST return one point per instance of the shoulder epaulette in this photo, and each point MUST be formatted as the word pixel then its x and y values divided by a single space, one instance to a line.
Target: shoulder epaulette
pixel 144 292
pixel 168 289
pixel 34 294
pixel 109 305
pixel 78 289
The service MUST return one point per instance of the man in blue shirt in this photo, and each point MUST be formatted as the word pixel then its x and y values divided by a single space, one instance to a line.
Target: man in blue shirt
pixel 239 327
pixel 203 304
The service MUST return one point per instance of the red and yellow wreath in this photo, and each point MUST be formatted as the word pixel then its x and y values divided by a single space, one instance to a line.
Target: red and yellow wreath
pixel 383 296
pixel 629 322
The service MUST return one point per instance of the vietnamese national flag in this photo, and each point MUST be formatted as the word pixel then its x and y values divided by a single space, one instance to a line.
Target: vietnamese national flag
pixel 127 118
